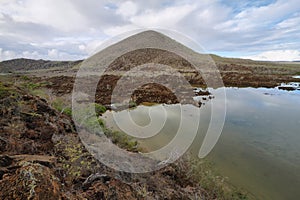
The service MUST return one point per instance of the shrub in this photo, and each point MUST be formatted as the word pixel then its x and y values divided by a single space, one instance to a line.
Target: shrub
pixel 132 104
pixel 202 172
pixel 122 140
pixel 67 111
pixel 25 78
pixel 59 105
pixel 4 91
pixel 99 109
pixel 31 86
pixel 91 123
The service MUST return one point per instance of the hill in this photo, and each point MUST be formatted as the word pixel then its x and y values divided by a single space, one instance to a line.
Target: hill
pixel 23 64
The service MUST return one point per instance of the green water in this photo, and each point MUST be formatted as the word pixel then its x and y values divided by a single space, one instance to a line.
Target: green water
pixel 259 148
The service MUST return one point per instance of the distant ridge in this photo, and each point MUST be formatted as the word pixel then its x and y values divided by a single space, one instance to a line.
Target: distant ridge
pixel 147 40
pixel 24 64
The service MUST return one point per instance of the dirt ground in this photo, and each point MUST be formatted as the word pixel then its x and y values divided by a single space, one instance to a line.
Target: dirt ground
pixel 41 157
pixel 233 72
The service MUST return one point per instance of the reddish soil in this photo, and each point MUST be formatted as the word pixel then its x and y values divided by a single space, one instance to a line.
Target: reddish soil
pixel 41 157
pixel 161 94
pixel 233 75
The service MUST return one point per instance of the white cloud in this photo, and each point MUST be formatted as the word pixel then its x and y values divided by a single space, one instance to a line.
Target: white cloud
pixel 75 28
pixel 290 23
pixel 54 13
pixel 90 47
pixel 278 55
pixel 127 9
pixel 28 54
pixel 165 18
pixel 53 53
pixel 116 30
pixel 253 18
pixel 6 55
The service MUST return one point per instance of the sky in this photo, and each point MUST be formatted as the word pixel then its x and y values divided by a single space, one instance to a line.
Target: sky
pixel 73 29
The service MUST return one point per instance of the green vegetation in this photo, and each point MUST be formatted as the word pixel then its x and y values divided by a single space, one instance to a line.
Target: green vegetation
pixel 95 125
pixel 92 124
pixel 40 92
pixel 122 139
pixel 60 105
pixel 99 109
pixel 68 111
pixel 132 104
pixel 297 73
pixel 30 86
pixel 25 78
pixel 4 91
pixel 117 137
pixel 74 161
pixel 203 173
pixel 37 89
pixel 7 90
pixel 28 175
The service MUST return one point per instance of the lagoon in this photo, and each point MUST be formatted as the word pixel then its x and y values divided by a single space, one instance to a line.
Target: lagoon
pixel 259 147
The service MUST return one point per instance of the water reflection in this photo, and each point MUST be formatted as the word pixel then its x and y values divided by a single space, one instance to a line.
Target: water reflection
pixel 259 148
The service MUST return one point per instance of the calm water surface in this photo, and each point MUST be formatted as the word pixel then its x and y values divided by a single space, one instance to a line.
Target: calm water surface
pixel 259 148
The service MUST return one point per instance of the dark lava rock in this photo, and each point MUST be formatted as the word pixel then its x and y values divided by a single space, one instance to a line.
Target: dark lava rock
pixel 5 161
